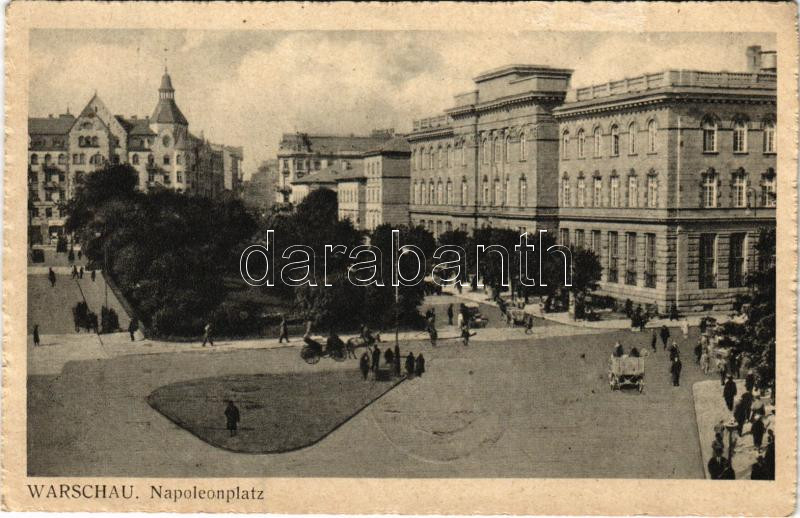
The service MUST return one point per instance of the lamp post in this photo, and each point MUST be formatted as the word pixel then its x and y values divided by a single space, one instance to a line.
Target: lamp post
pixel 105 261
pixel 397 301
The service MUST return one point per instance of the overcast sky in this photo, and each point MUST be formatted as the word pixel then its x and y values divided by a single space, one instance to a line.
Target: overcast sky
pixel 248 87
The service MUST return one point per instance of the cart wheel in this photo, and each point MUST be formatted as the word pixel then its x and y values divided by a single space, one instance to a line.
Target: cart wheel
pixel 308 355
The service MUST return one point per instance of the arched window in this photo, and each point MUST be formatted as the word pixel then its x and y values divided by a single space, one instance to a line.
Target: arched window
pixel 439 193
pixel 709 189
pixel 597 192
pixel 485 191
pixel 768 196
pixel 432 158
pixel 709 136
pixel 652 191
pixel 464 191
pixel 581 143
pixel 565 194
pixel 34 159
pixel 449 158
pixel 449 193
pixel 740 137
pixel 565 144
pixel 420 158
pixel 166 159
pixel 633 191
pixel 507 149
pixel 614 140
pixel 581 195
pixel 652 130
pixel 440 152
pixel 597 135
pixel 632 138
pixel 431 193
pixel 739 191
pixel 522 149
pixel 487 151
pixel 523 192
pixel 135 159
pixel 507 192
pixel 614 188
pixel 47 159
pixel 498 150
pixel 496 192
pixel 769 137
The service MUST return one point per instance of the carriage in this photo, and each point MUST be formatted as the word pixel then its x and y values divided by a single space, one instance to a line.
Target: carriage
pixel 473 315
pixel 626 371
pixel 313 350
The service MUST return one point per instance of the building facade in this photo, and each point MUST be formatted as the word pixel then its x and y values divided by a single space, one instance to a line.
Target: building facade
pixel 159 147
pixel 492 159
pixel 388 178
pixel 302 154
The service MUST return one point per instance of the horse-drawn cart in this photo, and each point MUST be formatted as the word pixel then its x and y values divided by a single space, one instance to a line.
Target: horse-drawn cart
pixel 626 371
pixel 314 350
pixel 473 315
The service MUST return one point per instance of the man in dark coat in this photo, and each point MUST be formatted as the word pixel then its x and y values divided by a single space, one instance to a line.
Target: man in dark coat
pixel 207 332
pixel 388 356
pixel 396 359
pixel 36 335
pixel 759 469
pixel 51 276
pixel 740 413
pixel 618 350
pixel 674 352
pixel 132 327
pixel 94 275
pixel 232 417
pixel 419 365
pixel 769 455
pixel 675 370
pixel 376 359
pixel 74 272
pixel 750 381
pixel 729 392
pixel 719 468
pixel 410 364
pixel 664 336
pixel 432 332
pixel 757 429
pixel 363 365
pixel 283 331
pixel 698 352
pixel 654 340
pixel 80 273
pixel 450 314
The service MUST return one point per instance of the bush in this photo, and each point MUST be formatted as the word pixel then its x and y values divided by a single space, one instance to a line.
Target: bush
pixel 234 319
pixel 109 321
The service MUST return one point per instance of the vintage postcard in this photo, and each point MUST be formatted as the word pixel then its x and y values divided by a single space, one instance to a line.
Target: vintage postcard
pixel 407 258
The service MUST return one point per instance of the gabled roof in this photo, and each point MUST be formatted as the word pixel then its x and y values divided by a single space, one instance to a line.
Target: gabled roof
pixel 330 144
pixel 135 127
pixel 167 112
pixel 396 145
pixel 50 125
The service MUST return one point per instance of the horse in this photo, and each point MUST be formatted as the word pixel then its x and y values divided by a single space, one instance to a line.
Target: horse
pixel 357 341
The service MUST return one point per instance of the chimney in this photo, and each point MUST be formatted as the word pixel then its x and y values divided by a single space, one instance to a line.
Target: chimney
pixel 754 59
pixel 769 61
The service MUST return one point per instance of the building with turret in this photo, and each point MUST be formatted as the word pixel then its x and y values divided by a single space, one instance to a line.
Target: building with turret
pixel 160 147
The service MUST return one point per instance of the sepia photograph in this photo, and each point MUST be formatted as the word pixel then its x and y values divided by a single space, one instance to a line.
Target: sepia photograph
pixel 263 253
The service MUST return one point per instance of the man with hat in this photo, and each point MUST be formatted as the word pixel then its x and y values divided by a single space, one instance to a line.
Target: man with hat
pixel 719 468
pixel 729 392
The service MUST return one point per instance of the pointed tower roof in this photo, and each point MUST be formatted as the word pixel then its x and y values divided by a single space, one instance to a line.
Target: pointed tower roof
pixel 167 111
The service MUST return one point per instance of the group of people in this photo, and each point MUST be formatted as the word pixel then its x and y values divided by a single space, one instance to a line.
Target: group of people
pixel 370 361
pixel 77 273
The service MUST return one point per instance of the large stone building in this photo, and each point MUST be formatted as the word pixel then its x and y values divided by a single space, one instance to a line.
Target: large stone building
pixel 668 177
pixel 160 148
pixel 491 158
pixel 388 174
pixel 301 154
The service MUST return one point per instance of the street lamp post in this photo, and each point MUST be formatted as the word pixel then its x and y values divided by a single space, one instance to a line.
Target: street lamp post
pixel 397 301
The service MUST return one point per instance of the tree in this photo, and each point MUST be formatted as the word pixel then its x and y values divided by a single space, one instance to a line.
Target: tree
pixel 586 271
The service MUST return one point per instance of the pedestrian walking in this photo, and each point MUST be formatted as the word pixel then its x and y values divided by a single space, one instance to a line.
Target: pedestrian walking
pixel 675 370
pixel 419 365
pixel 719 468
pixel 396 358
pixel 232 418
pixel 363 365
pixel 664 336
pixel 80 273
pixel 698 352
pixel 74 272
pixel 750 381
pixel 769 455
pixel 460 320
pixel 283 330
pixel 388 356
pixel 674 352
pixel 376 359
pixel 93 275
pixel 736 363
pixel 51 275
pixel 529 324
pixel 80 255
pixel 685 329
pixel 450 314
pixel 757 430
pixel 132 327
pixel 740 413
pixel 465 334
pixel 729 392
pixel 704 363
pixel 747 400
pixel 207 331
pixel 432 333
pixel 722 371
pixel 36 335
pixel 654 340
pixel 410 364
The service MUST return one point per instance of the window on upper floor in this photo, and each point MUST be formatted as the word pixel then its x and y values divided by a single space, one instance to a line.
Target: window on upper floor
pixel 449 158
pixel 614 188
pixel 565 194
pixel 581 195
pixel 496 192
pixel 614 140
pixel 486 191
pixel 740 137
pixel 487 150
pixel 709 190
pixel 449 193
pixel 523 192
pixel 709 137
pixel 633 192
pixel 464 192
pixel 597 192
pixel 47 159
pixel 62 159
pixel 652 191
pixel 632 138
pixel 597 137
pixel 652 131
pixel 135 159
pixel 581 143
pixel 34 159
pixel 498 150
pixel 507 149
pixel 166 160
pixel 769 137
pixel 522 147
pixel 768 194
pixel 507 192
pixel 565 144
pixel 739 189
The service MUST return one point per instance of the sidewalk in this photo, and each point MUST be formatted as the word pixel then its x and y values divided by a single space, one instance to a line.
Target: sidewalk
pixel 710 408
pixel 566 319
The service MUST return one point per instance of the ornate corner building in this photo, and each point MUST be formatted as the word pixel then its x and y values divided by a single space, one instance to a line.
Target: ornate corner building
pixel 668 177
pixel 160 148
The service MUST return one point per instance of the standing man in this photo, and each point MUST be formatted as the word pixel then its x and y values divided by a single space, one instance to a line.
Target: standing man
pixel 432 332
pixel 232 417
pixel 685 329
pixel 729 392
pixel 750 380
pixel 74 272
pixel 419 367
pixel 283 330
pixel 36 335
pixel 450 314
pixel 363 365
pixel 465 333
pixel 80 273
pixel 675 369
pixel 396 362
pixel 93 274
pixel 376 359
pixel 132 327
pixel 654 340
pixel 410 364
pixel 719 468
pixel 721 370
pixel 664 336
pixel 51 275
pixel 207 334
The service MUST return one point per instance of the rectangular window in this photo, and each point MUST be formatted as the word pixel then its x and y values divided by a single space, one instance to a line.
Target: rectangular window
pixel 564 237
pixel 615 191
pixel 739 190
pixel 652 191
pixel 596 242
pixel 710 191
pixel 630 263
pixel 768 192
pixel 613 257
pixel 736 261
pixel 633 192
pixel 597 198
pixel 769 138
pixel 710 139
pixel 650 260
pixel 708 261
pixel 581 192
pixel 740 139
pixel 579 239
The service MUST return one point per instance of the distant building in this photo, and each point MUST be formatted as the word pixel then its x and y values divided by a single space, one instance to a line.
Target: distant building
pixel 301 154
pixel 160 148
pixel 259 191
pixel 388 177
pixel 351 195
